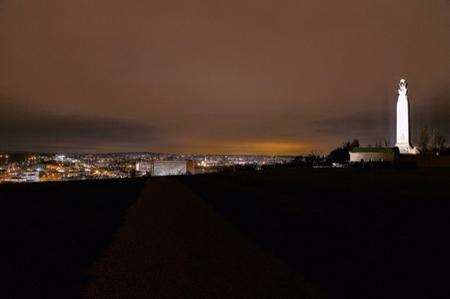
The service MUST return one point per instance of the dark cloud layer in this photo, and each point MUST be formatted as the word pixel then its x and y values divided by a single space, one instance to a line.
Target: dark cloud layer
pixel 220 76
pixel 22 129
pixel 378 124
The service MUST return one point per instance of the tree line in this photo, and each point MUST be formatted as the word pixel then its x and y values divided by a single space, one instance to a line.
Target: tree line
pixel 432 141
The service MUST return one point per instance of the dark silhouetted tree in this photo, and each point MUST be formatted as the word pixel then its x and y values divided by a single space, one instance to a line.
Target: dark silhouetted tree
pixel 437 140
pixel 342 154
pixel 298 161
pixel 339 155
pixel 346 145
pixel 355 143
pixel 424 139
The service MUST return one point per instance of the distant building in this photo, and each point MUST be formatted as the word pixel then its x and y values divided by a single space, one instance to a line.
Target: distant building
pixel 29 176
pixel 190 167
pixel 374 154
pixel 165 168
pixel 144 168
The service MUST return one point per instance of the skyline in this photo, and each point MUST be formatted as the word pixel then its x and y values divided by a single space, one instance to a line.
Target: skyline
pixel 252 77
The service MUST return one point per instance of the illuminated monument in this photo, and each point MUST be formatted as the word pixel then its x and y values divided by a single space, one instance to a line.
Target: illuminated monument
pixel 385 154
pixel 403 139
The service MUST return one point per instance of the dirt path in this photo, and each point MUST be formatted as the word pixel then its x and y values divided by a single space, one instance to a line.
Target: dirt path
pixel 173 245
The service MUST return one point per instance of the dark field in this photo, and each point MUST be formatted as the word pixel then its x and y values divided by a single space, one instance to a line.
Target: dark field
pixel 356 234
pixel 285 233
pixel 52 232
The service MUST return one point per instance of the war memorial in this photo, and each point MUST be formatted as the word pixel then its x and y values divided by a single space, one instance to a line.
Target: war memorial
pixel 403 151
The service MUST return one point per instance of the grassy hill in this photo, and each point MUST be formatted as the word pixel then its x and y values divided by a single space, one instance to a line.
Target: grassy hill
pixel 52 232
pixel 286 233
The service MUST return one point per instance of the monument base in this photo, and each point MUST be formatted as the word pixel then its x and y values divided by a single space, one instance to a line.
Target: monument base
pixel 407 149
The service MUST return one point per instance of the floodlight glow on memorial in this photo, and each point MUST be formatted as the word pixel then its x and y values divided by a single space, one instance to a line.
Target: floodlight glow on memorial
pixel 403 139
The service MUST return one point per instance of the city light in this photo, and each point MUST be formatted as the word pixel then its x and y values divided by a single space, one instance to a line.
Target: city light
pixel 59 167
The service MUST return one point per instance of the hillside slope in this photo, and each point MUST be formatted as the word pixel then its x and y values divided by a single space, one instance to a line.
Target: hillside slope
pixel 173 245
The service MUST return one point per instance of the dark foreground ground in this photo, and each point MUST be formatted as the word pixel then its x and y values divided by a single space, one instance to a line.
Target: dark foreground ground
pixel 52 232
pixel 279 234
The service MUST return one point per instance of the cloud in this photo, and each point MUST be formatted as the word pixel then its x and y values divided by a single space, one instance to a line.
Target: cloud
pixel 378 124
pixel 435 112
pixel 26 128
pixel 367 126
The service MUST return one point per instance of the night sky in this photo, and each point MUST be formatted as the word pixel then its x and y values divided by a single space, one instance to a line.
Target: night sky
pixel 231 76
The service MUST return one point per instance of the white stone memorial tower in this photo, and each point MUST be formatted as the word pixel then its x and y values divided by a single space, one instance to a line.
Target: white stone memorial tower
pixel 403 138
